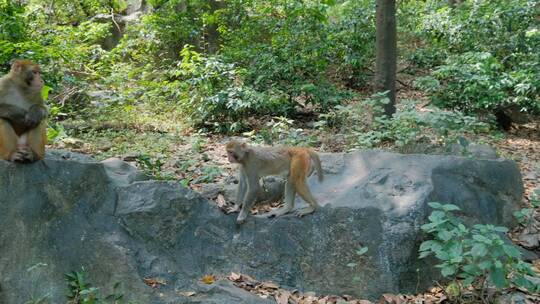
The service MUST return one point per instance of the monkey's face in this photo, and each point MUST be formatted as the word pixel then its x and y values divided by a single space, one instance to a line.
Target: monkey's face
pixel 235 151
pixel 233 157
pixel 32 77
pixel 29 74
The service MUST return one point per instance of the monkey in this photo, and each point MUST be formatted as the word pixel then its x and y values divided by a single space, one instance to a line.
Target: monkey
pixel 23 114
pixel 294 163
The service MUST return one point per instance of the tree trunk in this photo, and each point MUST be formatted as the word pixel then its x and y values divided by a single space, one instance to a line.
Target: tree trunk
pixel 212 34
pixel 386 47
pixel 453 3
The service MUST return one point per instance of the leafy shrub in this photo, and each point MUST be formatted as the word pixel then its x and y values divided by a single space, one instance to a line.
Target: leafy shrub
pixel 352 35
pixel 525 216
pixel 82 292
pixel 404 129
pixel 477 82
pixel 476 255
pixel 12 26
pixel 492 50
pixel 209 92
pixel 280 130
pixel 286 48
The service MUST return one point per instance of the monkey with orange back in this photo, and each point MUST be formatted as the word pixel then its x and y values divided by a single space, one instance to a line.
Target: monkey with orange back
pixel 256 162
pixel 23 114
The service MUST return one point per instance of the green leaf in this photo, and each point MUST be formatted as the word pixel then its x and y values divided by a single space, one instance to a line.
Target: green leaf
pixel 437 216
pixel 448 270
pixel 484 265
pixel 442 255
pixel 511 251
pixel 455 249
pixel 45 92
pixel 424 254
pixel 435 205
pixel 462 228
pixel 471 269
pixel 428 227
pixel 479 250
pixel 468 281
pixel 501 229
pixel 481 238
pixel 351 265
pixel 450 207
pixel 426 245
pixel 444 235
pixel 453 289
pixel 361 250
pixel 456 259
pixel 498 277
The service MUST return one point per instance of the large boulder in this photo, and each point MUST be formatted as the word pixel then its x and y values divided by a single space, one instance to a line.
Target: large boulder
pixel 70 212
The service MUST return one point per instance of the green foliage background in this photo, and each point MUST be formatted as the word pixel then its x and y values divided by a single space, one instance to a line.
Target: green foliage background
pixel 213 65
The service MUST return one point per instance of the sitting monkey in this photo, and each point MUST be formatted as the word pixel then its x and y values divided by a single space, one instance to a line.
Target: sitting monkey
pixel 257 162
pixel 23 125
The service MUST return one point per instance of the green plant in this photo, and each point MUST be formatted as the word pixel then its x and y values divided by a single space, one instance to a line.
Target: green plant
pixel 11 21
pixel 484 54
pixel 82 292
pixel 477 82
pixel 280 130
pixel 209 174
pixel 360 253
pixel 153 166
pixel 35 271
pixel 405 129
pixel 474 256
pixel 525 215
pixel 198 145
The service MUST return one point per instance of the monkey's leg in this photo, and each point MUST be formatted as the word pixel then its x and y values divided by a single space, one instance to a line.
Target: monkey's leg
pixel 303 190
pixel 251 195
pixel 31 145
pixel 240 193
pixel 289 201
pixel 8 140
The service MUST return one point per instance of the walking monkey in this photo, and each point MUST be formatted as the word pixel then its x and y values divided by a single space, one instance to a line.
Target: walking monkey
pixel 256 162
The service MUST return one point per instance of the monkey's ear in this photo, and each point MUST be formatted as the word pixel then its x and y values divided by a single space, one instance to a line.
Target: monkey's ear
pixel 243 146
pixel 17 65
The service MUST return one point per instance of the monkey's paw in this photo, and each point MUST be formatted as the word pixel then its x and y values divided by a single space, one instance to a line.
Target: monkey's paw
pixel 23 155
pixel 304 211
pixel 278 212
pixel 241 219
pixel 240 222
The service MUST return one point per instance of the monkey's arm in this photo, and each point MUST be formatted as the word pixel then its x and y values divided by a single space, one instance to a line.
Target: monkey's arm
pixel 241 188
pixel 12 113
pixel 35 115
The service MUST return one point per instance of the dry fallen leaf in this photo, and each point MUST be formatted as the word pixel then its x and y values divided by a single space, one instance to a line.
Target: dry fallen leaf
pixel 208 279
pixel 391 299
pixel 270 285
pixel 235 277
pixel 187 293
pixel 220 201
pixel 154 282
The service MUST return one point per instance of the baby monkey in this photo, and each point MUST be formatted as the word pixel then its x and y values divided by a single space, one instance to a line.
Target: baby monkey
pixel 255 162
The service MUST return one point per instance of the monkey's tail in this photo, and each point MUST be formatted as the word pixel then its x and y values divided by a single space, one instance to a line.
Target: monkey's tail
pixel 317 162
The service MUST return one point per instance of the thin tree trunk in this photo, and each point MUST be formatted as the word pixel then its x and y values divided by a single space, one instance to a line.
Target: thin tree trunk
pixel 212 34
pixel 453 3
pixel 386 48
